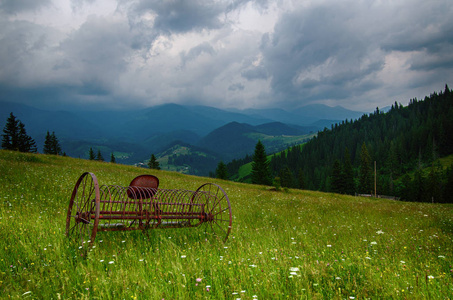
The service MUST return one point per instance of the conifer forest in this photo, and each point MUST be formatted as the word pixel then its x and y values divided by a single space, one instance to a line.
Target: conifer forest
pixel 406 144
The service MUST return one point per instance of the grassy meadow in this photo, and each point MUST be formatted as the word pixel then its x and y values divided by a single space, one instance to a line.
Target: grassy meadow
pixel 283 245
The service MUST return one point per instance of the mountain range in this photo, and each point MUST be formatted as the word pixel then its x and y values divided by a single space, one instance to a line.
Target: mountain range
pixel 135 134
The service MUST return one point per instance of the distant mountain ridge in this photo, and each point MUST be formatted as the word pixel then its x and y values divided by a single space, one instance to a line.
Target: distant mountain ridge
pixel 305 115
pixel 133 135
pixel 235 140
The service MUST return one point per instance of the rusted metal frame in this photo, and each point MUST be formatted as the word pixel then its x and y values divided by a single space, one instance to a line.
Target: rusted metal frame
pixel 105 194
pixel 104 214
pixel 164 196
pixel 181 208
pixel 197 201
pixel 128 205
pixel 169 217
pixel 140 193
pixel 114 205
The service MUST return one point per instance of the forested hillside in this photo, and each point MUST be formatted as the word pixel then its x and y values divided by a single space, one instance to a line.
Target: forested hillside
pixel 406 143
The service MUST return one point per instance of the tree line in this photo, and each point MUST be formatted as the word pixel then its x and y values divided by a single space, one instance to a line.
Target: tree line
pixel 15 138
pixel 405 143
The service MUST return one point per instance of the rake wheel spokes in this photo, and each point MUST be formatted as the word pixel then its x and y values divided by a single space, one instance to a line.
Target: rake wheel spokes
pixel 217 210
pixel 83 213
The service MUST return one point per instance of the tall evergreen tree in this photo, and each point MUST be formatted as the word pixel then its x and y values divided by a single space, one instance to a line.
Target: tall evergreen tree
pixel 15 137
pixel 10 134
pixel 51 144
pixel 433 185
pixel 286 177
pixel 336 181
pixel 301 178
pixel 99 156
pixel 26 143
pixel 348 174
pixel 47 148
pixel 112 158
pixel 221 172
pixel 418 187
pixel 91 155
pixel 153 163
pixel 405 188
pixel 260 166
pixel 448 188
pixel 366 173
pixel 55 144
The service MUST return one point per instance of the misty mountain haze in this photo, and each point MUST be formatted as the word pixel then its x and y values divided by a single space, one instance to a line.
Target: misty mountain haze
pixel 133 135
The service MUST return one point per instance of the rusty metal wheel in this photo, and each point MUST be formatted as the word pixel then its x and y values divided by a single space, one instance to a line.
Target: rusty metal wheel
pixel 217 210
pixel 83 212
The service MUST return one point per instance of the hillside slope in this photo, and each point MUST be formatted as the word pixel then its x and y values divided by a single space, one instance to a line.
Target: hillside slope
pixel 236 140
pixel 295 244
pixel 400 141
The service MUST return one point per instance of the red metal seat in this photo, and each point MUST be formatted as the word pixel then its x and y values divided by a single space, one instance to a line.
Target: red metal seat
pixel 143 187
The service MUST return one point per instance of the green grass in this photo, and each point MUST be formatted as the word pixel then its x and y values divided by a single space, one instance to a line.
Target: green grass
pixel 283 245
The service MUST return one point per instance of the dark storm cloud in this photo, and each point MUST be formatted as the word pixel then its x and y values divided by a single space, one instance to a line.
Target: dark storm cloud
pixel 314 51
pixel 181 16
pixel 250 53
pixel 431 37
pixel 96 54
pixel 23 47
pixel 18 6
pixel 337 50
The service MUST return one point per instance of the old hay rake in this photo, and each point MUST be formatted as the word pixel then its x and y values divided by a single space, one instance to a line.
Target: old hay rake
pixel 142 205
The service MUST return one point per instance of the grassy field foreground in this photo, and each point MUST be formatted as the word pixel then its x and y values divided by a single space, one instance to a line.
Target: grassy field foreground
pixel 295 244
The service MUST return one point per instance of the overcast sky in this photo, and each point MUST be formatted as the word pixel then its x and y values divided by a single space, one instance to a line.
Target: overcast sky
pixel 246 54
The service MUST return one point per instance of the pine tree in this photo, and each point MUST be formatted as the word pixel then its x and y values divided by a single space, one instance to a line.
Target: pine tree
pixel 26 143
pixel 336 182
pixel 47 149
pixel 15 137
pixel 366 175
pixel 260 166
pixel 221 172
pixel 348 174
pixel 112 158
pixel 51 144
pixel 91 155
pixel 405 188
pixel 10 136
pixel 286 177
pixel 153 163
pixel 418 187
pixel 433 187
pixel 99 156
pixel 301 179
pixel 448 188
pixel 55 144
